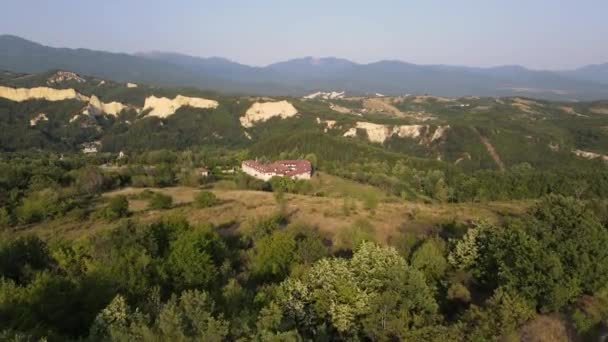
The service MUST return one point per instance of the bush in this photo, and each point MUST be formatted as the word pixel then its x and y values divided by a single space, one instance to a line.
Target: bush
pixel 142 181
pixel 89 180
pixel 205 199
pixel 5 218
pixel 160 201
pixel 370 202
pixel 147 194
pixel 351 237
pixel 38 206
pixel 117 207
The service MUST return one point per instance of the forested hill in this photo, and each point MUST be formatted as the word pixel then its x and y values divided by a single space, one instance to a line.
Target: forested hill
pixel 303 75
pixel 65 111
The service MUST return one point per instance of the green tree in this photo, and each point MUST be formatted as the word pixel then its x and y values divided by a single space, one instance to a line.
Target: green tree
pixel 567 227
pixel 195 258
pixel 441 191
pixel 465 251
pixel 503 314
pixel 5 218
pixel 189 317
pixel 38 206
pixel 429 258
pixel 205 199
pixel 160 201
pixel 117 207
pixel 89 180
pixel 279 197
pixel 273 255
pixel 370 201
pixel 517 261
pixel 312 158
pixel 376 288
pixel 20 258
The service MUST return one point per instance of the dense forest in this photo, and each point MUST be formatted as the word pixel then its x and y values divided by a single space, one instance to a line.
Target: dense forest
pixel 274 279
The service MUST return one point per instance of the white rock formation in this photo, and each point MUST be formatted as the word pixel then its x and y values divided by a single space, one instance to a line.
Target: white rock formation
pixel 375 132
pixel 379 133
pixel 262 111
pixel 131 85
pixel 164 107
pixel 39 117
pixel 326 95
pixel 329 124
pixel 440 132
pixel 409 131
pixel 96 107
pixel 40 93
pixel 590 155
pixel 351 133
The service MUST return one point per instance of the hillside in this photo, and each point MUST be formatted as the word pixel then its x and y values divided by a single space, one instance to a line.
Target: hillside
pixel 301 76
pixel 66 111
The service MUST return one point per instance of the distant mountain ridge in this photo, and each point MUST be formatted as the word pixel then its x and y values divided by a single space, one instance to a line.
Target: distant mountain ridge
pixel 309 74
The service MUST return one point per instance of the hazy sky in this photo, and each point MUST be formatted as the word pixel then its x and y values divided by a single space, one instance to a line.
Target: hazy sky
pixel 541 34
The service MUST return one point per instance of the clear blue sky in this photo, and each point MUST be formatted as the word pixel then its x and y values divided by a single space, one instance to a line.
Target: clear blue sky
pixel 540 34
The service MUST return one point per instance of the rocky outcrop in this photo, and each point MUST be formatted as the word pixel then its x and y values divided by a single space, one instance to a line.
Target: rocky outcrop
pixel 590 155
pixel 64 76
pixel 96 107
pixel 37 118
pixel 40 93
pixel 440 133
pixel 164 107
pixel 262 111
pixel 409 131
pixel 380 133
pixel 351 133
pixel 328 124
pixel 375 132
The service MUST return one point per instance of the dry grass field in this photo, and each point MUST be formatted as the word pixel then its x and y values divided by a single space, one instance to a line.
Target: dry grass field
pixel 329 214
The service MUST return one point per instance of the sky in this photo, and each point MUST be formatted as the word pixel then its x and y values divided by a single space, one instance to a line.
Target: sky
pixel 538 34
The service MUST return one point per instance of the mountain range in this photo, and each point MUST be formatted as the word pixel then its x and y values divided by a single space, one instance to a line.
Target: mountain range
pixel 301 76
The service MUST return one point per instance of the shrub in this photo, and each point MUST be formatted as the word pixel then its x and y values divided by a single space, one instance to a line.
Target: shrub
pixel 351 237
pixel 160 201
pixel 189 177
pixel 141 181
pixel 89 180
pixel 5 218
pixel 370 202
pixel 117 207
pixel 144 195
pixel 205 199
pixel 38 206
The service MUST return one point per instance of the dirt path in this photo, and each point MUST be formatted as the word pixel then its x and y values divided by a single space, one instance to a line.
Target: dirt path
pixel 491 150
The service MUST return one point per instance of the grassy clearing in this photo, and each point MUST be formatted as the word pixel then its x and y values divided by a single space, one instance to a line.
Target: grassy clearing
pixel 332 186
pixel 237 208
